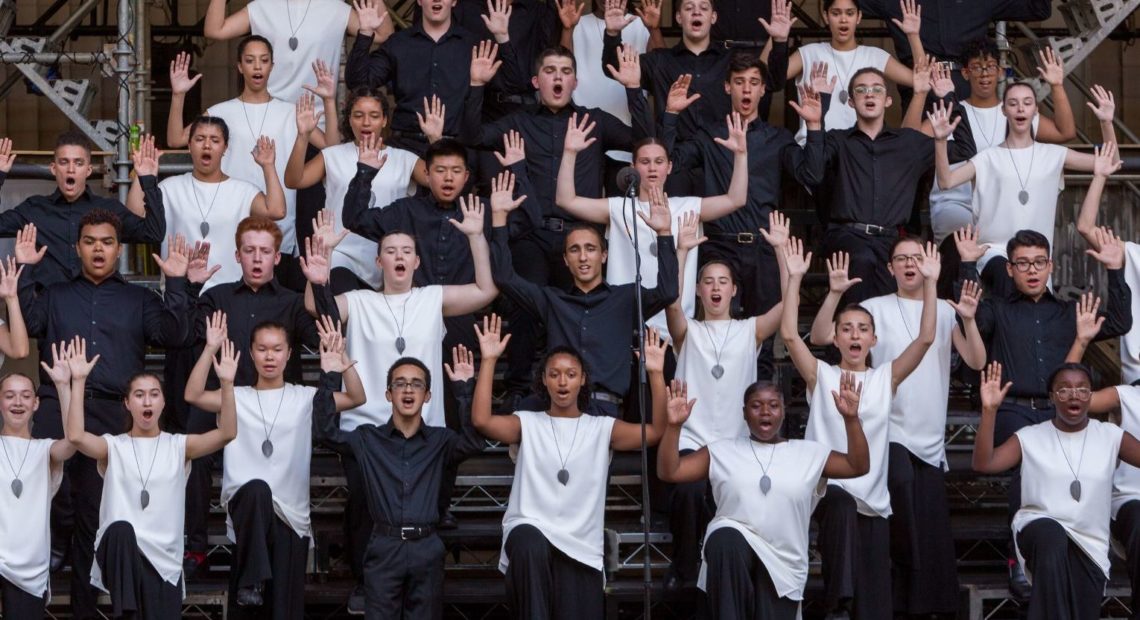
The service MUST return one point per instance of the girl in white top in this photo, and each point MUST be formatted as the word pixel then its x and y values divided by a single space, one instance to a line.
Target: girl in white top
pixel 365 115
pixel 1016 183
pixel 252 114
pixel 755 560
pixel 265 478
pixel 1067 469
pixel 651 161
pixel 553 523
pixel 29 476
pixel 858 507
pixel 207 204
pixel 139 544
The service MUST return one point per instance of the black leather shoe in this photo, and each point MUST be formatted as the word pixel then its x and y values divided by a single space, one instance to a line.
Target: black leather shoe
pixel 447 522
pixel 58 559
pixel 355 605
pixel 1018 583
pixel 249 596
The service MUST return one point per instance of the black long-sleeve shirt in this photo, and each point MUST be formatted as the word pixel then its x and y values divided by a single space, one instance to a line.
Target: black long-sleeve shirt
pixel 118 320
pixel 57 226
pixel 738 20
pixel 599 323
pixel 661 67
pixel 948 25
pixel 1031 338
pixel 445 254
pixel 245 308
pixel 402 475
pixel 770 151
pixel 415 67
pixel 545 134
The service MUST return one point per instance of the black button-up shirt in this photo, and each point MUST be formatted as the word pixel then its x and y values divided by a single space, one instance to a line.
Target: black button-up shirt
pixel 402 475
pixel 948 25
pixel 57 226
pixel 1031 338
pixel 600 323
pixel 245 308
pixel 545 134
pixel 770 150
pixel 738 20
pixel 117 319
pixel 415 67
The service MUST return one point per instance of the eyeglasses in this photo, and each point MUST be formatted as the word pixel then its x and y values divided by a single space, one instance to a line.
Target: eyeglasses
pixel 872 90
pixel 414 385
pixel 1081 393
pixel 902 259
pixel 1038 263
pixel 983 69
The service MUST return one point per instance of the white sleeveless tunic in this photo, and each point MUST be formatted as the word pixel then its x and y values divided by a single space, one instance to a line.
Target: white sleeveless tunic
pixel 25 532
pixel 286 471
pixel 188 202
pixel 372 329
pixel 621 267
pixel 825 425
pixel 841 64
pixel 276 119
pixel 1045 479
pixel 1130 342
pixel 392 182
pixel 775 525
pixel 159 528
pixel 569 516
pixel 719 410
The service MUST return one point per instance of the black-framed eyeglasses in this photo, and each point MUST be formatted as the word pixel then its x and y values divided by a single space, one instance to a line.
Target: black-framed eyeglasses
pixel 1081 393
pixel 902 259
pixel 414 385
pixel 1038 263
pixel 983 69
pixel 870 90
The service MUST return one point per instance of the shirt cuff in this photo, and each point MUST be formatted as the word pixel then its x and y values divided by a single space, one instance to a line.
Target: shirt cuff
pixel 147 182
pixel 463 388
pixel 330 381
pixel 366 171
pixel 500 233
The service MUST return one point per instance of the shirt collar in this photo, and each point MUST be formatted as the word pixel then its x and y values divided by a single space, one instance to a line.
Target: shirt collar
pixel 886 131
pixel 114 277
pixel 390 430
pixel 577 292
pixel 680 49
pixel 452 30
pixel 1017 295
pixel 56 197
pixel 270 287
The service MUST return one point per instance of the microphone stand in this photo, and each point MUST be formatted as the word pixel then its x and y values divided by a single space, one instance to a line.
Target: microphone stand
pixel 647 574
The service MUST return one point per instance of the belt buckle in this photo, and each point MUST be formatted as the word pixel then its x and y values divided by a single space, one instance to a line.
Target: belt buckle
pixel 873 229
pixel 555 224
pixel 745 238
pixel 404 532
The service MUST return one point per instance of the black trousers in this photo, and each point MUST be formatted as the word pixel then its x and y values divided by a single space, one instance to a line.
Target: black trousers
pixel 309 201
pixel 690 509
pixel 403 579
pixel 545 584
pixel 1067 583
pixel 199 485
pixel 1126 530
pixel 758 274
pixel 869 257
pixel 268 553
pixel 137 590
pixel 738 585
pixel 856 557
pixel 923 567
pixel 18 604
pixel 357 520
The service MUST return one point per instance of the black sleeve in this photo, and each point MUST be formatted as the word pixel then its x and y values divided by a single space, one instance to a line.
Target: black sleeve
pixel 470 442
pixel 962 147
pixel 167 322
pixel 149 229
pixel 358 217
pixel 684 154
pixel 473 132
pixel 639 116
pixel 1021 10
pixel 34 304
pixel 305 326
pixel 806 164
pixel 11 220
pixel 325 302
pixel 523 292
pixel 658 298
pixel 326 420
pixel 528 217
pixel 985 320
pixel 364 68
pixel 1118 310
pixel 777 67
pixel 610 54
pixel 514 74
pixel 204 307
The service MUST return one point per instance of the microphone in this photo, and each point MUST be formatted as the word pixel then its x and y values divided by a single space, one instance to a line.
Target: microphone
pixel 628 180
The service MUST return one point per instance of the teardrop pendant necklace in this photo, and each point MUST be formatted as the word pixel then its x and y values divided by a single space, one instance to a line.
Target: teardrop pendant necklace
pixel 267 445
pixel 293 42
pixel 1023 195
pixel 563 473
pixel 1075 485
pixel 765 481
pixel 17 484
pixel 717 370
pixel 204 227
pixel 400 344
pixel 144 495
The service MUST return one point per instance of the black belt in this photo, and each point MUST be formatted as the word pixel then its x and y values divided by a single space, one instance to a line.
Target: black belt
pixel 555 224
pixel 101 395
pixel 411 135
pixel 743 238
pixel 951 65
pixel 874 230
pixel 405 532
pixel 1037 403
pixel 738 43
pixel 607 397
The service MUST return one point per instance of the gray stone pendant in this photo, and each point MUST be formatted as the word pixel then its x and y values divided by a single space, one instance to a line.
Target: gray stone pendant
pixel 293 43
pixel 765 484
pixel 653 248
pixel 267 448
pixel 400 344
pixel 563 476
pixel 204 227
pixel 1075 490
pixel 17 487
pixel 144 498
pixel 1023 197
pixel 717 371
pixel 843 97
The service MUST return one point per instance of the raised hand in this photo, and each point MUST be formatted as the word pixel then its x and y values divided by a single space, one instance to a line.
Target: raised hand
pixel 371 15
pixel 940 81
pixel 679 97
pixel 146 157
pixel 688 231
pixel 308 116
pixel 967 306
pixel 911 21
pixel 265 153
pixel 737 140
pixel 577 134
pixel 616 18
pixel 993 392
pixel 180 80
pixel 570 12
pixel 77 362
pixel 472 209
pixel 316 262
pixel 217 330
pixel 931 264
pixel 628 73
pixel 966 240
pixel 498 19
pixel 177 257
pixel 659 218
pixel 837 280
pixel 1088 320
pixel 368 151
pixel 226 364
pixel 483 63
pixel 59 371
pixel 6 155
pixel 503 192
pixel 796 261
pixel 678 404
pixel 848 396
pixel 650 13
pixel 818 80
pixel 334 356
pixel 1106 162
pixel 1111 253
pixel 491 342
pixel 10 272
pixel 462 366
pixel 199 270
pixel 326 82
pixel 940 121
pixel 654 351
pixel 1050 67
pixel 782 21
pixel 1103 104
pixel 514 149
pixel 920 74
pixel 325 228
pixel 25 250
pixel 810 108
pixel 431 121
pixel 778 230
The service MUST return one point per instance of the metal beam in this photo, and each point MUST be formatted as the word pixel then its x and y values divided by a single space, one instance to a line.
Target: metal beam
pixel 59 34
pixel 51 58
